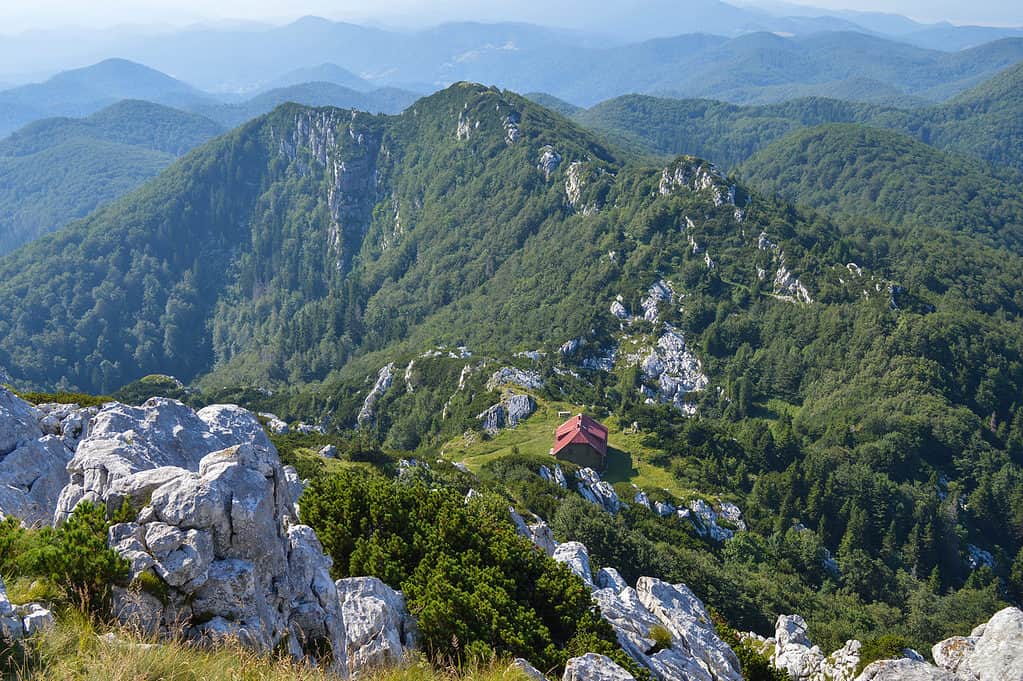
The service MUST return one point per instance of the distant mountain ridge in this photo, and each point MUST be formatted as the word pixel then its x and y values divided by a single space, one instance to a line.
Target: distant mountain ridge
pixel 83 91
pixel 984 122
pixel 756 63
pixel 59 169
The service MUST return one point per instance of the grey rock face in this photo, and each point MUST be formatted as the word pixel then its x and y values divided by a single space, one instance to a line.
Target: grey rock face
pixel 609 578
pixel 575 555
pixel 225 541
pixel 548 161
pixel 385 378
pixel 123 441
pixel 19 621
pixel 659 292
pixel 674 369
pixel 215 522
pixel 594 667
pixel 529 380
pixel 793 651
pixel 522 665
pixel 952 653
pixel 377 624
pixel 597 491
pixel 36 444
pixel 904 670
pixel 507 413
pixel 275 424
pixel 993 650
pixel 841 665
pixel 685 617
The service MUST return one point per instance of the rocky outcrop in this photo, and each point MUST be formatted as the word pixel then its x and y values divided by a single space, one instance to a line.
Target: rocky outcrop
pixel 705 519
pixel 577 558
pixel 522 666
pixel 274 423
pixel 225 542
pixel 377 624
pixel 698 176
pixel 385 378
pixel 686 618
pixel 659 292
pixel 594 667
pixel 214 523
pixel 507 413
pixel 528 380
pixel 36 444
pixel 548 161
pixel 904 670
pixel 793 651
pixel 597 491
pixel 116 460
pixel 673 369
pixel 993 650
pixel 788 286
pixel 19 621
pixel 557 476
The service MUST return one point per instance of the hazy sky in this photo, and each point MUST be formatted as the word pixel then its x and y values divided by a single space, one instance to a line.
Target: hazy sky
pixel 20 15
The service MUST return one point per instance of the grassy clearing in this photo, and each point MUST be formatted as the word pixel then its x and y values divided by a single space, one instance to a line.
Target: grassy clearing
pixel 628 457
pixel 74 652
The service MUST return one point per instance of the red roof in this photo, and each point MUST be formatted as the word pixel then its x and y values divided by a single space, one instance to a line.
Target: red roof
pixel 581 430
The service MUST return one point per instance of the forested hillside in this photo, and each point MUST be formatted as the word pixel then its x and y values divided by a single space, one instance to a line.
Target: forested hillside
pixel 59 169
pixel 891 177
pixel 852 383
pixel 982 122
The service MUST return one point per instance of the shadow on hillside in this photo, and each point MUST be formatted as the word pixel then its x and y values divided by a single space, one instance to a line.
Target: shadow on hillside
pixel 619 466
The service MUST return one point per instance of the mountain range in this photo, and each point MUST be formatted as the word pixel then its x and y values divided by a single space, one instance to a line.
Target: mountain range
pixel 849 368
pixel 982 122
pixel 755 64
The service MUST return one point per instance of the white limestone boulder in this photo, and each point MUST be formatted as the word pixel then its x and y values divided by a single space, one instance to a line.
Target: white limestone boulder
pixel 577 558
pixel 594 667
pixel 377 623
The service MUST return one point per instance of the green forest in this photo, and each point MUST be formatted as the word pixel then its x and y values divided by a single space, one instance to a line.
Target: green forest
pixel 875 422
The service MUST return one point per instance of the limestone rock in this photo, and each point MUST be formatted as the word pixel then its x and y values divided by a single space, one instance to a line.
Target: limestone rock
pixel 377 623
pixel 594 667
pixel 841 665
pixel 659 292
pixel 522 665
pixel 951 653
pixel 36 618
pixel 529 380
pixel 575 555
pixel 904 670
pixel 542 537
pixel 548 162
pixel 673 368
pixel 598 491
pixel 992 651
pixel 218 528
pixel 67 421
pixel 507 413
pixel 124 440
pixel 274 423
pixel 686 618
pixel 36 444
pixel 787 285
pixel 385 378
pixel 793 651
pixel 609 578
